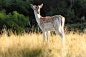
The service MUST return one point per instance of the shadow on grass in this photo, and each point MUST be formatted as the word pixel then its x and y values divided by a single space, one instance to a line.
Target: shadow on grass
pixel 31 53
pixel 25 52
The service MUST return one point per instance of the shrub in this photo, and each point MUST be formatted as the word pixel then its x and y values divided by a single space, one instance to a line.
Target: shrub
pixel 16 5
pixel 76 27
pixel 71 15
pixel 14 20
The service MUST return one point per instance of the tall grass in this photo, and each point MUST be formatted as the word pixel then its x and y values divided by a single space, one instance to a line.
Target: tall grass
pixel 31 45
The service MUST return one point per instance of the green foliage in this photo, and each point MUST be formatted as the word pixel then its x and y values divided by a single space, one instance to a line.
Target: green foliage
pixel 16 11
pixel 71 15
pixel 83 18
pixel 11 18
pixel 16 5
pixel 80 8
pixel 78 26
pixel 15 21
pixel 61 9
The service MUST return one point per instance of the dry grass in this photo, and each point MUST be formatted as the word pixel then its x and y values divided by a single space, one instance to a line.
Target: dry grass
pixel 31 45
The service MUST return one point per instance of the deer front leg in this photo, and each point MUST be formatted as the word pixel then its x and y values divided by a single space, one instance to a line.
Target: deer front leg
pixel 48 33
pixel 44 34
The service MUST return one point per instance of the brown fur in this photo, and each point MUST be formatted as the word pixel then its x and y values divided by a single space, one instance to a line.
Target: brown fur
pixel 51 19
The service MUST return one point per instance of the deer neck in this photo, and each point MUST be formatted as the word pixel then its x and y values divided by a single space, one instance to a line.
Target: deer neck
pixel 37 16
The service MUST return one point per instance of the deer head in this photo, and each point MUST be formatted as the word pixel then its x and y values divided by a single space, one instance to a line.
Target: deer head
pixel 36 8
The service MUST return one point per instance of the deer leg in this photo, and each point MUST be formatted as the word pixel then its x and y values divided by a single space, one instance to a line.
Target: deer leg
pixel 61 35
pixel 44 34
pixel 63 39
pixel 48 33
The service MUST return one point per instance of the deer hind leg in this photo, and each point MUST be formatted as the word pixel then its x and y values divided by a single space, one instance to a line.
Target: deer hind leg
pixel 61 35
pixel 59 30
pixel 63 39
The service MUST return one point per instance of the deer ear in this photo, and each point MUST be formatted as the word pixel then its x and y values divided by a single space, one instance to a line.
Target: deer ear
pixel 31 6
pixel 41 5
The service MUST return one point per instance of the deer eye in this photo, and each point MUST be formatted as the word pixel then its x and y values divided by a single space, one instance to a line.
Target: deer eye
pixel 37 7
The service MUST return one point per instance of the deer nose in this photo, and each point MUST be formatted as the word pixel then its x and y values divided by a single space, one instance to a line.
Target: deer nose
pixel 37 12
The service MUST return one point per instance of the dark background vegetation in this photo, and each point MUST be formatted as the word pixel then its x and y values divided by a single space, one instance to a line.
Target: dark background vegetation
pixel 17 15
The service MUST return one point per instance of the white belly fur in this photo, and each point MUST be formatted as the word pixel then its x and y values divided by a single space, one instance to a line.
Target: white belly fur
pixel 48 27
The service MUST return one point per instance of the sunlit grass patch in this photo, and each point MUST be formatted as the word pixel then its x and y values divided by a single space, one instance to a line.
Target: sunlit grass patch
pixel 31 45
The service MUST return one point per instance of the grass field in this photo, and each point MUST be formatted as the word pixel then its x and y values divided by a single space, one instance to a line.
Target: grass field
pixel 31 45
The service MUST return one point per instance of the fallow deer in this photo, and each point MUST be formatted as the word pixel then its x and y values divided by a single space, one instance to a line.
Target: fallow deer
pixel 49 23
